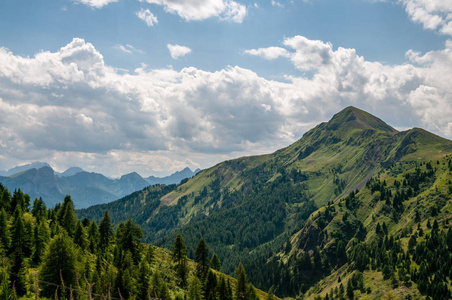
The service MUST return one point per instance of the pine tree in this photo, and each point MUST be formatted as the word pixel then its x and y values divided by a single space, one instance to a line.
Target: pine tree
pixel 194 291
pixel 159 289
pixel 4 231
pixel 128 237
pixel 143 284
pixel 93 237
pixel 215 262
pixel 67 216
pixel 222 290
pixel 18 245
pixel 242 282
pixel 202 258
pixel 59 262
pixel 80 236
pixel 5 199
pixel 210 286
pixel 180 258
pixel 39 209
pixel 40 239
pixel 105 232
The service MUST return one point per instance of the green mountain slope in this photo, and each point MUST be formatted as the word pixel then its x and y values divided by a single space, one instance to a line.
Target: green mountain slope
pixel 384 233
pixel 248 208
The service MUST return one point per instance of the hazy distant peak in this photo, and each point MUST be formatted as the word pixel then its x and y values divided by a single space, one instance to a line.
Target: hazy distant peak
pixel 33 165
pixel 131 175
pixel 71 171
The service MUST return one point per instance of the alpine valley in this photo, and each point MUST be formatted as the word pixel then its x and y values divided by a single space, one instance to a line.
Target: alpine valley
pixel 353 210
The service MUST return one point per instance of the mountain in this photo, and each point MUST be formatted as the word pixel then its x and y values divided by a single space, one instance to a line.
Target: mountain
pixel 71 172
pixel 260 209
pixel 174 178
pixel 85 188
pixel 37 183
pixel 18 169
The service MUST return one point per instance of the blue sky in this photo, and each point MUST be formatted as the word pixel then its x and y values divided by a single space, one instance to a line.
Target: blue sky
pixel 98 87
pixel 379 31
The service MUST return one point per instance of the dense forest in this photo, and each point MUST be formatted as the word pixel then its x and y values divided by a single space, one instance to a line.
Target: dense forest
pixel 50 253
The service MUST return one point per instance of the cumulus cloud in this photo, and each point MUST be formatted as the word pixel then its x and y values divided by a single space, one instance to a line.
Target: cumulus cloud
pixel 432 14
pixel 69 105
pixel 195 10
pixel 147 17
pixel 95 3
pixel 177 51
pixel 342 77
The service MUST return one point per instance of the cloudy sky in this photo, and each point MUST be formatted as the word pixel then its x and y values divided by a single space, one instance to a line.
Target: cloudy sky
pixel 153 86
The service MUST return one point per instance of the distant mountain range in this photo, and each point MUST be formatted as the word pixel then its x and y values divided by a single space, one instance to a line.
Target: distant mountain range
pixel 38 179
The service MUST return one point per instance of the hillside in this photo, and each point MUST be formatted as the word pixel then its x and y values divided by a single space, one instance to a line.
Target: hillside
pixel 49 253
pixel 248 208
pixel 394 234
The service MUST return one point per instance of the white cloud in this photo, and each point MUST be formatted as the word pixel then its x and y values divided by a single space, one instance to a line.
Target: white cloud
pixel 343 77
pixel 129 49
pixel 69 106
pixel 432 14
pixel 147 17
pixel 95 3
pixel 196 10
pixel 177 51
pixel 269 53
pixel 278 4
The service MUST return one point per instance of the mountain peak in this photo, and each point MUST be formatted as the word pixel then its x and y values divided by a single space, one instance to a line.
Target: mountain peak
pixel 352 117
pixel 133 175
pixel 71 171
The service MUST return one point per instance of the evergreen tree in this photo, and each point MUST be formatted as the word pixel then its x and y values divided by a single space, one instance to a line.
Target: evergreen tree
pixel 40 239
pixel 5 199
pixel 18 245
pixel 242 282
pixel 149 254
pixel 215 262
pixel 210 286
pixel 222 290
pixel 202 258
pixel 194 291
pixel 39 210
pixel 159 289
pixel 67 216
pixel 180 258
pixel 59 263
pixel 144 288
pixel 4 231
pixel 105 232
pixel 80 236
pixel 128 237
pixel 93 237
